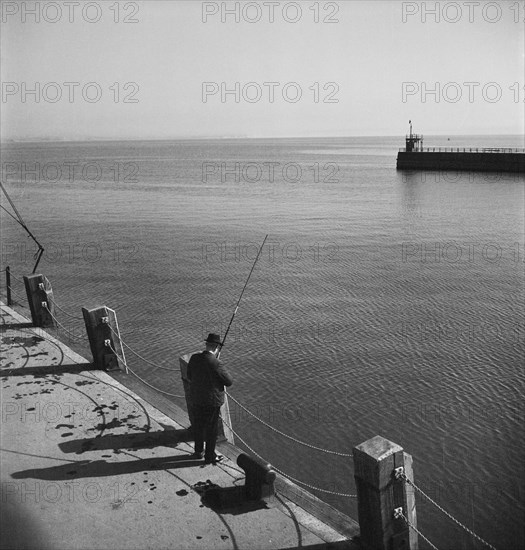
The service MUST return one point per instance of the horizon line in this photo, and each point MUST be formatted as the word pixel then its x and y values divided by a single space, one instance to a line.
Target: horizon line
pixel 56 139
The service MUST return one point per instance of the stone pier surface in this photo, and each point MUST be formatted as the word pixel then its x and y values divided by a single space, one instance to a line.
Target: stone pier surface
pixel 86 462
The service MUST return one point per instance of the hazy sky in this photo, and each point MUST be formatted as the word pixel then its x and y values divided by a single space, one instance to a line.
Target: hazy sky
pixel 365 73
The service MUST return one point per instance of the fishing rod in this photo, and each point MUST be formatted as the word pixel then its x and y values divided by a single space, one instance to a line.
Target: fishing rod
pixel 40 251
pixel 240 298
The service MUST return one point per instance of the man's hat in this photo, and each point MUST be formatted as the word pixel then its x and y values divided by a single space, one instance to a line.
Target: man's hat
pixel 213 339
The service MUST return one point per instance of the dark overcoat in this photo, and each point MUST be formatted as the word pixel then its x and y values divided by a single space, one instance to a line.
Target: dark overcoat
pixel 207 378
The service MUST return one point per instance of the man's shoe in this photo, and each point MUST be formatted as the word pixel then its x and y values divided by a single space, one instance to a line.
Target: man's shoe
pixel 215 460
pixel 198 456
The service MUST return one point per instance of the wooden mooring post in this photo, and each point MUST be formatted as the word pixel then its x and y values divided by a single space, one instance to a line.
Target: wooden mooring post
pixel 104 338
pixel 382 493
pixel 225 434
pixel 40 299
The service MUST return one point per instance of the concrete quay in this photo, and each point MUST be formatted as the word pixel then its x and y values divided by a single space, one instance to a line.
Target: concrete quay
pixel 91 460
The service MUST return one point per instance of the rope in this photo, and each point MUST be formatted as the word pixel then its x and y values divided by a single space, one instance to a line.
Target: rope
pixel 286 475
pixel 286 435
pixel 417 531
pixel 142 379
pixel 138 354
pixel 446 513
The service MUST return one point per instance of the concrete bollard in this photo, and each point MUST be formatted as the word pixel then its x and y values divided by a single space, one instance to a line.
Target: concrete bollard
pixel 40 299
pixel 104 337
pixel 381 494
pixel 260 477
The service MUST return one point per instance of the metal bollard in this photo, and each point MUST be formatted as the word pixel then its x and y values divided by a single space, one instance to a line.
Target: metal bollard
pixel 260 477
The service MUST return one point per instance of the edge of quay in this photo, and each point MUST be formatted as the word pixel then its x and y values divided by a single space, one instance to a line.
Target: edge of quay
pixel 329 527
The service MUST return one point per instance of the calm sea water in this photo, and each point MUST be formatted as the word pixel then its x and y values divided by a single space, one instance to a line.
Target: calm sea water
pixel 383 302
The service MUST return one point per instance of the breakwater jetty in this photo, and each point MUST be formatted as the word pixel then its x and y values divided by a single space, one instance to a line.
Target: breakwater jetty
pixel 472 159
pixel 93 456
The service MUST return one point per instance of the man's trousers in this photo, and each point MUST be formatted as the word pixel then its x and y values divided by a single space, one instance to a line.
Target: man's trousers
pixel 205 429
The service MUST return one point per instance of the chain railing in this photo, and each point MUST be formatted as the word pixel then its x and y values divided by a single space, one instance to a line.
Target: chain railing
pixel 16 278
pixel 22 298
pixel 138 354
pixel 59 324
pixel 417 530
pixel 469 531
pixel 140 378
pixel 286 435
pixel 9 275
pixel 67 313
pixel 288 476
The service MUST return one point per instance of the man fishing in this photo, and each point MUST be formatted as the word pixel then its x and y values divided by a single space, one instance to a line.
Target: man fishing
pixel 207 378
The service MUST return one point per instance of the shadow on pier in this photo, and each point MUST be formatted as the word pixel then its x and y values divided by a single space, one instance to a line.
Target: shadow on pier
pixel 42 372
pixel 227 500
pixel 104 468
pixel 131 442
pixel 14 326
